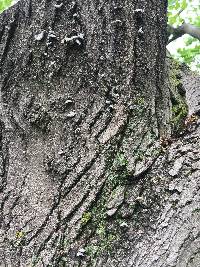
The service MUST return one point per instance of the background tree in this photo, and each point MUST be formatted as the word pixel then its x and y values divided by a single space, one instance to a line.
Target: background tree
pixel 184 18
pixel 89 109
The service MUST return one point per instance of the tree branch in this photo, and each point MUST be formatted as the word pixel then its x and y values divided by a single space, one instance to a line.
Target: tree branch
pixel 185 28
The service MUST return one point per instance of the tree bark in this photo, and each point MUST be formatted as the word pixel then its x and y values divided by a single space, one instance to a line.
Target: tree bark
pixel 185 28
pixel 85 99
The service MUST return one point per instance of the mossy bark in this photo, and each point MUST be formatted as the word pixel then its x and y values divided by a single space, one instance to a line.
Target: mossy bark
pixel 85 97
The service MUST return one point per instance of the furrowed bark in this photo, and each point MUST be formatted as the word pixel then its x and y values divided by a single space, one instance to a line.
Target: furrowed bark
pixel 85 97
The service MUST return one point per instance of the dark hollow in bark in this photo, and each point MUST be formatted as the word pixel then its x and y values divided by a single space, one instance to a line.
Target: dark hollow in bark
pixel 85 97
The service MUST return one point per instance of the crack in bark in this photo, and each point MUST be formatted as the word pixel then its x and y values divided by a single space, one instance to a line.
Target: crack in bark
pixel 10 35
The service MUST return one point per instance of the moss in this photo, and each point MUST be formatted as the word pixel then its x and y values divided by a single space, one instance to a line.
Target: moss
pixel 175 73
pixel 197 210
pixel 100 226
pixel 139 155
pixel 92 250
pixel 20 234
pixel 97 219
pixel 140 101
pixel 86 217
pixel 20 239
pixel 104 245
pixel 139 106
pixel 117 165
pixel 179 113
pixel 35 260
pixel 120 160
pixel 179 109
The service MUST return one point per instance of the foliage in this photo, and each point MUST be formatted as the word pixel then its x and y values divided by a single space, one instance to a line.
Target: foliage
pixel 4 4
pixel 177 9
pixel 188 11
pixel 188 54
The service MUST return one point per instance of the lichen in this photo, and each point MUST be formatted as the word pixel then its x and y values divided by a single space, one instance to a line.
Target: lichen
pixel 19 234
pixel 20 238
pixel 86 217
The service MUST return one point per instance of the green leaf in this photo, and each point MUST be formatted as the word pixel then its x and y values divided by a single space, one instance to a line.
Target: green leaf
pixel 4 4
pixel 184 4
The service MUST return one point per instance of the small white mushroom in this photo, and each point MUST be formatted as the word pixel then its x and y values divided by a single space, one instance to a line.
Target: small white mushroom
pixel 139 199
pixel 61 152
pixel 111 212
pixel 68 101
pixel 51 35
pixel 138 10
pixel 111 107
pixel 58 5
pixel 68 39
pixel 50 74
pixel 78 42
pixel 52 63
pixel 75 38
pixel 81 35
pixel 39 36
pixel 123 225
pixel 117 21
pixel 140 30
pixel 81 252
pixel 71 114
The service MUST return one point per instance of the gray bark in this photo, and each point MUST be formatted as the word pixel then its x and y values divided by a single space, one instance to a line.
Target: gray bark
pixel 185 28
pixel 192 30
pixel 85 97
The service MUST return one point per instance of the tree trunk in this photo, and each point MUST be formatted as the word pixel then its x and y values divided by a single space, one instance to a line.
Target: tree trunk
pixel 85 99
